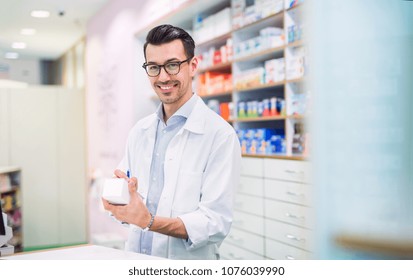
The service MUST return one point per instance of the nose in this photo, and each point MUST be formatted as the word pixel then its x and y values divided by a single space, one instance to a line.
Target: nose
pixel 163 76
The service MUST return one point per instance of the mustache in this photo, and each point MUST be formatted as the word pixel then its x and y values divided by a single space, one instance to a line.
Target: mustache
pixel 169 83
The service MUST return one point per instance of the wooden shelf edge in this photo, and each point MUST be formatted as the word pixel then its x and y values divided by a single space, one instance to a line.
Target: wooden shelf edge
pixel 9 169
pixel 220 94
pixel 260 119
pixel 261 53
pixel 11 190
pixel 215 67
pixel 292 157
pixel 389 246
pixel 272 85
pixel 258 21
pixel 217 39
pixel 295 44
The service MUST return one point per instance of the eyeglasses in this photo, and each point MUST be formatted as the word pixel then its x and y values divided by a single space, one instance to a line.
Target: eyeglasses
pixel 172 68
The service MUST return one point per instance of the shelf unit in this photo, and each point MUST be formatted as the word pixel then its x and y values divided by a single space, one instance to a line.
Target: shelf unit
pixel 290 121
pixel 290 90
pixel 10 194
pixel 274 189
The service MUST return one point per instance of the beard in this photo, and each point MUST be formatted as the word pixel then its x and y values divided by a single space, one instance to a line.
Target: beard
pixel 169 96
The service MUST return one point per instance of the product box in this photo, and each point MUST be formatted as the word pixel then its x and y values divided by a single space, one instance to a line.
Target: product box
pixel 242 110
pixel 276 145
pixel 295 67
pixel 115 190
pixel 264 141
pixel 269 7
pixel 272 37
pixel 277 106
pixel 222 22
pixel 250 78
pixel 297 104
pixel 274 70
pixel 224 110
pixel 292 3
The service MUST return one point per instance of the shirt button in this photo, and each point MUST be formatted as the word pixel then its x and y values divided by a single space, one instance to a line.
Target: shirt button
pixel 153 179
pixel 164 131
pixel 157 154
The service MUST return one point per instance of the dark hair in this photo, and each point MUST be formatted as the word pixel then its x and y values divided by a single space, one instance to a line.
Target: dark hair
pixel 167 33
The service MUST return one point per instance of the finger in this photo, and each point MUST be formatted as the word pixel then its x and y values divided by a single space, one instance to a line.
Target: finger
pixel 133 185
pixel 107 205
pixel 120 174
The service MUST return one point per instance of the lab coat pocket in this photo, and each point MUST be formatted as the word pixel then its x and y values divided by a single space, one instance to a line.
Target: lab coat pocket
pixel 188 191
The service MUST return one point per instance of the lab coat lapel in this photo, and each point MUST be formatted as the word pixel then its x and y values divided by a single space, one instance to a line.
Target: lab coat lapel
pixel 147 149
pixel 173 159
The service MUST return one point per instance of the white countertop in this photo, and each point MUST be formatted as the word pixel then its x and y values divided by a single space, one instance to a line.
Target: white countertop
pixel 82 252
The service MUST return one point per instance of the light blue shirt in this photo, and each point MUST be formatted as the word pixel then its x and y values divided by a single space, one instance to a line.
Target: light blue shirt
pixel 164 134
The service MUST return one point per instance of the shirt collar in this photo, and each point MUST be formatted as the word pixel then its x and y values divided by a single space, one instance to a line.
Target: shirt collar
pixel 184 111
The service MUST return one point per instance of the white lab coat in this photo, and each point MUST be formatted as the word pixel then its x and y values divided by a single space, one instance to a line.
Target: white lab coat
pixel 201 171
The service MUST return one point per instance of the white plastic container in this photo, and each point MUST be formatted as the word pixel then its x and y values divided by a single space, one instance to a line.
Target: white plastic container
pixel 116 191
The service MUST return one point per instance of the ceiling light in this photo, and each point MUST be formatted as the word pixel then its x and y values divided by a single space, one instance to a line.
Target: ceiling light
pixel 11 55
pixel 40 14
pixel 28 31
pixel 18 45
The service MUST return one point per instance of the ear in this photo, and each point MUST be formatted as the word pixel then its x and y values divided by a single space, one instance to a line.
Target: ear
pixel 193 65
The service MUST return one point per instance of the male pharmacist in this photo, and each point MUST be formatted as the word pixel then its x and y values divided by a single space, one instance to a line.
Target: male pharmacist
pixel 183 160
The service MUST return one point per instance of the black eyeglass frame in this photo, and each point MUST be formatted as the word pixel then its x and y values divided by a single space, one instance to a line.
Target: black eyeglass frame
pixel 163 66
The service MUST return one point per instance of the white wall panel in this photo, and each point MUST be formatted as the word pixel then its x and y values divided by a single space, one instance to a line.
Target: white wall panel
pixel 71 166
pixel 33 146
pixel 4 127
pixel 47 140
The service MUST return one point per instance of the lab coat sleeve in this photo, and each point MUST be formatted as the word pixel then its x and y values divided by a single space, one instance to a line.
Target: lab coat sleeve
pixel 124 163
pixel 211 222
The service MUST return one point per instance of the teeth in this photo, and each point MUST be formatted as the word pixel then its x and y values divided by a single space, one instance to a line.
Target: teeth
pixel 165 88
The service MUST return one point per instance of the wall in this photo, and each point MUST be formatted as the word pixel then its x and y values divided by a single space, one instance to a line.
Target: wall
pixel 22 70
pixel 116 86
pixel 42 131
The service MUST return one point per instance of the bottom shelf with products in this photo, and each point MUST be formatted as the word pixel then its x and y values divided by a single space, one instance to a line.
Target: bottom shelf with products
pixel 10 195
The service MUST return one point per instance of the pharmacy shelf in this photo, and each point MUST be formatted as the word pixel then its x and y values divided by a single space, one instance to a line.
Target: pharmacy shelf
pixel 10 198
pixel 184 15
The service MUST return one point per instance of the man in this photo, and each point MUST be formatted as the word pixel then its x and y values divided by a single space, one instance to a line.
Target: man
pixel 184 161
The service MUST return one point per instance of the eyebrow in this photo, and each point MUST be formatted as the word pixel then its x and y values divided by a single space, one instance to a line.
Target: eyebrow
pixel 169 60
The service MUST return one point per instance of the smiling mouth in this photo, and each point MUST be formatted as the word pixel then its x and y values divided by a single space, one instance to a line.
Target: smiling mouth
pixel 168 87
